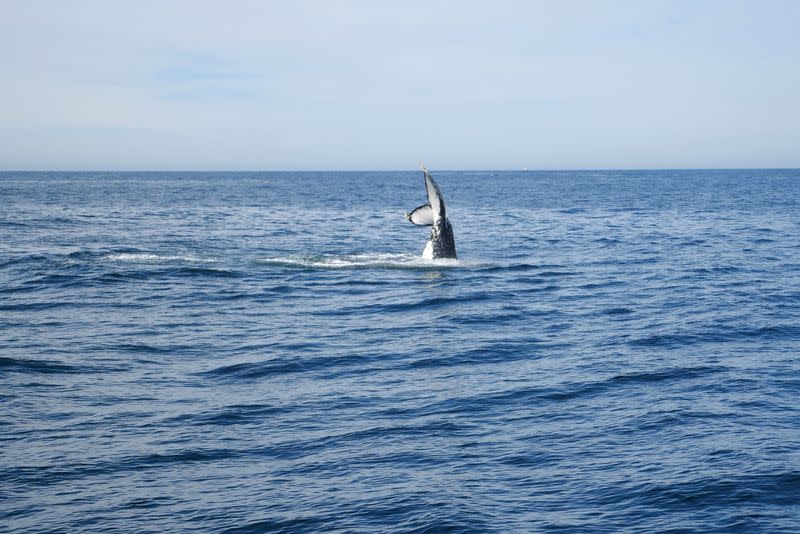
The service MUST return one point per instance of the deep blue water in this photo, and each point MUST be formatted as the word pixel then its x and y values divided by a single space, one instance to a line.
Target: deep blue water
pixel 265 352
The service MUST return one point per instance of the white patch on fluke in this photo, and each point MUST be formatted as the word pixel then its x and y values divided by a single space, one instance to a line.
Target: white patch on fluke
pixel 421 216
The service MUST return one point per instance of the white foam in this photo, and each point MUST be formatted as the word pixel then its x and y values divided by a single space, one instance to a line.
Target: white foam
pixel 383 260
pixel 138 257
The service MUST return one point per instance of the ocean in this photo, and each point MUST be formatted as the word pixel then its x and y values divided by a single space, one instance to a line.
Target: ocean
pixel 613 351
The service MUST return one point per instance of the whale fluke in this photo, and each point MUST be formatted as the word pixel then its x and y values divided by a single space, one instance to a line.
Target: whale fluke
pixel 441 243
pixel 421 216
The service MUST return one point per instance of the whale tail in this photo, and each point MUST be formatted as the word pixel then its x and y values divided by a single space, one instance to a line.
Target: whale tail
pixel 441 243
pixel 427 214
pixel 435 198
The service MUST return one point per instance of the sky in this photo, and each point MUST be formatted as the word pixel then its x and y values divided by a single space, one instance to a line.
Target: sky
pixel 365 85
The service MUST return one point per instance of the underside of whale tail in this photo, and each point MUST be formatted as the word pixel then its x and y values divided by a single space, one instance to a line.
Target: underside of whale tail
pixel 435 198
pixel 421 216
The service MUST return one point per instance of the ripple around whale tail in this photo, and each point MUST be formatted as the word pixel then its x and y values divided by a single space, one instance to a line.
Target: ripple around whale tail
pixel 368 260
pixel 374 260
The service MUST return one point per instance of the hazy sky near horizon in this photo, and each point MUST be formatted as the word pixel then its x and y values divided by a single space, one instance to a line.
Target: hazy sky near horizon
pixel 196 85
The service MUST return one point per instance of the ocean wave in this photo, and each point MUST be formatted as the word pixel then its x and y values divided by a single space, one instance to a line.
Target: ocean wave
pixel 719 335
pixel 615 356
pixel 413 305
pixel 36 366
pixel 237 414
pixel 280 366
pixel 54 367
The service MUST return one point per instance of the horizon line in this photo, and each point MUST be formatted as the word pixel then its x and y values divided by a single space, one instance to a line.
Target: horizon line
pixel 586 169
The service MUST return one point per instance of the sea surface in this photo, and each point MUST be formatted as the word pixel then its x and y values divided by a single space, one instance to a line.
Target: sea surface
pixel 267 352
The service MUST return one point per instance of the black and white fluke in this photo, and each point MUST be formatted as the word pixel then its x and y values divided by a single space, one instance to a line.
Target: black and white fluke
pixel 441 244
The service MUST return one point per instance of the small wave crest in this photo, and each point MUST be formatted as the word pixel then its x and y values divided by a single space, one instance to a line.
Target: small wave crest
pixel 40 366
pixel 364 261
pixel 149 257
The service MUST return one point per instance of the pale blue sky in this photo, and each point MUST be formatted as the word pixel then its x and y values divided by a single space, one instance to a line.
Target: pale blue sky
pixel 377 85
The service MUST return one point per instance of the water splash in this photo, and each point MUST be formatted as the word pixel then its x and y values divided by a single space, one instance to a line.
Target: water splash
pixel 154 258
pixel 376 260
